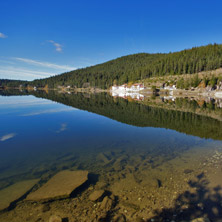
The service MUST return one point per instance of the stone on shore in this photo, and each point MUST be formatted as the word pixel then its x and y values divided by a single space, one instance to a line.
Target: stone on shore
pixel 60 186
pixel 96 195
pixel 14 192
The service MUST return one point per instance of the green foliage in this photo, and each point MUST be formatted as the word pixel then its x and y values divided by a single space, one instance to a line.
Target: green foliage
pixel 195 81
pixel 13 83
pixel 213 81
pixel 153 88
pixel 205 81
pixel 180 83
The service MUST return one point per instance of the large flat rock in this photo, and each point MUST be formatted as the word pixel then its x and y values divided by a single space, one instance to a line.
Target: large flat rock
pixel 59 186
pixel 14 192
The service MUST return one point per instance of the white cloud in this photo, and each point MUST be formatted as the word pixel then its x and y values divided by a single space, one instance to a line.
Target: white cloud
pixel 45 64
pixel 62 128
pixel 3 36
pixel 57 45
pixel 22 73
pixel 7 137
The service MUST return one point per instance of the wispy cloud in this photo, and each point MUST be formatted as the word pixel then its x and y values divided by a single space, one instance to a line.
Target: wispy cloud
pixel 24 101
pixel 44 64
pixel 21 73
pixel 7 137
pixel 49 111
pixel 62 128
pixel 29 69
pixel 57 45
pixel 3 36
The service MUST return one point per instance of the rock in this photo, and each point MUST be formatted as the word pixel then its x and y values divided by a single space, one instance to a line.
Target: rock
pixel 96 195
pixel 102 218
pixel 119 218
pixel 45 208
pixel 39 220
pixel 102 157
pixel 60 186
pixel 55 218
pixel 14 192
pixel 106 203
pixel 101 185
pixel 119 164
pixel 201 220
pixel 187 171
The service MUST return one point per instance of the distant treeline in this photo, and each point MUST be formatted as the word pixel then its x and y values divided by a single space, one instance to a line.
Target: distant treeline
pixel 135 113
pixel 137 67
pixel 12 83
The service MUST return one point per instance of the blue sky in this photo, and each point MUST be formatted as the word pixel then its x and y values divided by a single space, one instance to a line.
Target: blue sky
pixel 39 38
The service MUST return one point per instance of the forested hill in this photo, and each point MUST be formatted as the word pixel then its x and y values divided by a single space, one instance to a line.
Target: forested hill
pixel 138 66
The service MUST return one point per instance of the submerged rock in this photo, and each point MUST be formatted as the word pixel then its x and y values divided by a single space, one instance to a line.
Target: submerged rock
pixel 201 220
pixel 45 208
pixel 119 218
pixel 55 218
pixel 14 192
pixel 96 195
pixel 60 186
pixel 107 203
pixel 187 171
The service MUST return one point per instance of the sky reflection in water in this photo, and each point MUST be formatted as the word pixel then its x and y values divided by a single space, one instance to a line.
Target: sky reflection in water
pixel 37 132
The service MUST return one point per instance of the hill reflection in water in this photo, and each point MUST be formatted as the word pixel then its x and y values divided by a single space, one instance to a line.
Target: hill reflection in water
pixel 139 114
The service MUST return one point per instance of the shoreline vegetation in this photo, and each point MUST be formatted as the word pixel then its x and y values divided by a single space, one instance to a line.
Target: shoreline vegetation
pixel 203 84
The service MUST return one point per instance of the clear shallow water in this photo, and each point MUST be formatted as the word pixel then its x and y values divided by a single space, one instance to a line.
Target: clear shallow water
pixel 148 157
pixel 39 136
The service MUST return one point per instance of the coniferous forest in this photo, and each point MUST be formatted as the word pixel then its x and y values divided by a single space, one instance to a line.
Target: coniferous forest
pixel 134 68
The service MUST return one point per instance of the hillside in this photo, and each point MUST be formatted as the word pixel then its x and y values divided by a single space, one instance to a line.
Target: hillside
pixel 137 67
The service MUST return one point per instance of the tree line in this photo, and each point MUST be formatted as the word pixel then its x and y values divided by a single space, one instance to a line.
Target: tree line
pixel 136 67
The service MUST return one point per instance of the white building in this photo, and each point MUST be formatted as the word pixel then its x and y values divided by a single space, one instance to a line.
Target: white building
pixel 114 88
pixel 173 87
pixel 126 92
pixel 124 88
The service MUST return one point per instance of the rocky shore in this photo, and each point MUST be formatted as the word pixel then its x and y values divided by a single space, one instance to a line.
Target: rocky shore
pixel 131 188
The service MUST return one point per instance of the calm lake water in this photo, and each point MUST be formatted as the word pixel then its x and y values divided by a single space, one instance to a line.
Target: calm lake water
pixel 44 133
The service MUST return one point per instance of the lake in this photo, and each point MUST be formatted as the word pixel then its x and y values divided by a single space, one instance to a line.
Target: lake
pixel 157 160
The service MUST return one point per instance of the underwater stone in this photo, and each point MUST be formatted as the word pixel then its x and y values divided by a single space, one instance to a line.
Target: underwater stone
pixel 14 192
pixel 119 218
pixel 106 203
pixel 55 218
pixel 96 195
pixel 201 220
pixel 60 186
